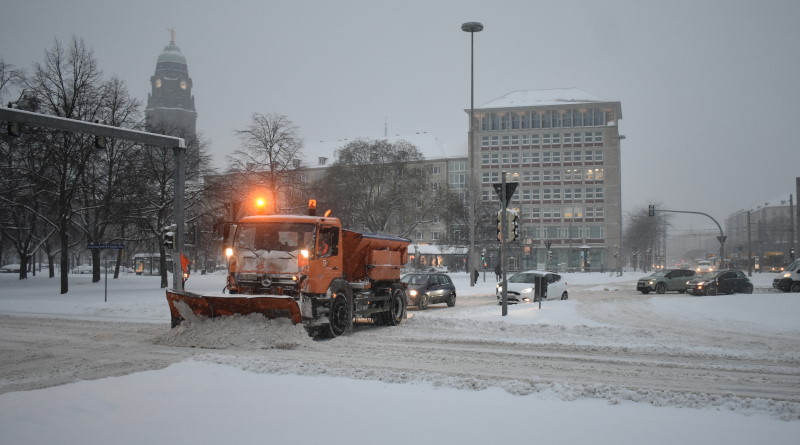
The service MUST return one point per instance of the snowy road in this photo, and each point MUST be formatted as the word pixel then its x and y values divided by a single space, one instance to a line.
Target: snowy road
pixel 623 346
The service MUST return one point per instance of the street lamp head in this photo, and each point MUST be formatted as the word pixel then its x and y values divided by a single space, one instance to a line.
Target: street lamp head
pixel 472 27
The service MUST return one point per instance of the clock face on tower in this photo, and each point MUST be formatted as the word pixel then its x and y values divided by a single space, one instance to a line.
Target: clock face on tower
pixel 183 84
pixel 158 83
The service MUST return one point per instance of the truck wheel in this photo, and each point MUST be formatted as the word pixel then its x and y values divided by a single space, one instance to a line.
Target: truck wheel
pixel 564 295
pixel 340 316
pixel 396 306
pixel 661 288
pixel 422 304
pixel 795 287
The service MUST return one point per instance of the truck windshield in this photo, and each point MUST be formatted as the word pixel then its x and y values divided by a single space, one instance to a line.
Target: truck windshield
pixel 286 237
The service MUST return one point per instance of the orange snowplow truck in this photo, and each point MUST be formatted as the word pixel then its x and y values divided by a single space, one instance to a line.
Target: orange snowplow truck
pixel 307 269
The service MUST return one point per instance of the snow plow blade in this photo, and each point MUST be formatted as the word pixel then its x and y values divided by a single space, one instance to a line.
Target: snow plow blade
pixel 207 306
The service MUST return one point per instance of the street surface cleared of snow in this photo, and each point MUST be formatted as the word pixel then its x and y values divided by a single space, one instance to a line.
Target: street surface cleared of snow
pixel 607 363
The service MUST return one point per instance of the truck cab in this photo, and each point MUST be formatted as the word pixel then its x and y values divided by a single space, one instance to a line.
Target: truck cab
pixel 277 254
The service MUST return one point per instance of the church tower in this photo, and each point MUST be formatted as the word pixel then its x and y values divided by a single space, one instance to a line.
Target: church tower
pixel 170 104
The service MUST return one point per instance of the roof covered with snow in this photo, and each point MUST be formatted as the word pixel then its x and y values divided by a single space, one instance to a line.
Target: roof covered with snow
pixel 533 98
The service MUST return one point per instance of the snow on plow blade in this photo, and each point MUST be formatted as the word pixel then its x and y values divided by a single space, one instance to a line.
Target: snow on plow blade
pixel 185 304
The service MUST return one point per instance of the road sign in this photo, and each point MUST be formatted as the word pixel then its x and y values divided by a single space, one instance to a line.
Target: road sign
pixel 101 246
pixel 510 188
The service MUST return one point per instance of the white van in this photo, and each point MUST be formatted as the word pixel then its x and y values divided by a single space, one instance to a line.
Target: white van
pixel 789 279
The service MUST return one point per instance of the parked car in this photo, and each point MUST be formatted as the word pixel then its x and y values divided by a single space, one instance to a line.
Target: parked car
pixel 85 268
pixel 521 286
pixel 665 280
pixel 428 288
pixel 720 282
pixel 10 268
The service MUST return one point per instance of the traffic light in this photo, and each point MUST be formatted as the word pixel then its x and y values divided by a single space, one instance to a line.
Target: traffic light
pixel 169 236
pixel 100 142
pixel 499 226
pixel 312 207
pixel 13 129
pixel 192 235
pixel 512 223
pixel 549 255
pixel 651 210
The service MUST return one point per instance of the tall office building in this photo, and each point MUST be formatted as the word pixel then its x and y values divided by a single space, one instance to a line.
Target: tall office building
pixel 562 146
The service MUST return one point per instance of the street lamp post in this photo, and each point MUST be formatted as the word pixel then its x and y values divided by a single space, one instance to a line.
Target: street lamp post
pixel 619 138
pixel 471 28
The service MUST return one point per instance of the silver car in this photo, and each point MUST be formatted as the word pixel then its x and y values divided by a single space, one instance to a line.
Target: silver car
pixel 522 285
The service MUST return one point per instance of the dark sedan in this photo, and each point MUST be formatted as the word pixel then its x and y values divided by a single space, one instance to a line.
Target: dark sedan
pixel 429 288
pixel 720 282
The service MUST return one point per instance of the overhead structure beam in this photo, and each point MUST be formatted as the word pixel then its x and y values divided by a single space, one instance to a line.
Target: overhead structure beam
pixel 178 145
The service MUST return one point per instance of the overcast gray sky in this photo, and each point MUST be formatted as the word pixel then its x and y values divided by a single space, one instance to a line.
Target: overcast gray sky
pixel 709 89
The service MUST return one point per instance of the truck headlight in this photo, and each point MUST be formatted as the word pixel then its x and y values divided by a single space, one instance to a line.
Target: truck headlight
pixel 413 293
pixel 787 275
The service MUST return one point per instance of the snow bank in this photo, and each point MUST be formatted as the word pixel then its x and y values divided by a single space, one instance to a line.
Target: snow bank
pixel 252 331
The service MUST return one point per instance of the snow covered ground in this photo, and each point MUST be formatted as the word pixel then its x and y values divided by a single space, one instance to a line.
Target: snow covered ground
pixel 246 385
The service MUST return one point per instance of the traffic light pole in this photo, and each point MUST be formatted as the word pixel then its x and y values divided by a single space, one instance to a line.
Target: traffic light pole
pixel 721 238
pixel 503 232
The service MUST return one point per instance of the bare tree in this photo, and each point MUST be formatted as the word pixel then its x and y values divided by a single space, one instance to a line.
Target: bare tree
pixel 107 179
pixel 378 186
pixel 644 235
pixel 66 83
pixel 270 156
pixel 10 77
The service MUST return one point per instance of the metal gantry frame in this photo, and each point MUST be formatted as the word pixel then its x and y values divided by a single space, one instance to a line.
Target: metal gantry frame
pixel 178 145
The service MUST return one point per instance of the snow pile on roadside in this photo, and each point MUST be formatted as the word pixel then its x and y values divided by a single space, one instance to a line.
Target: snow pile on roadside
pixel 252 331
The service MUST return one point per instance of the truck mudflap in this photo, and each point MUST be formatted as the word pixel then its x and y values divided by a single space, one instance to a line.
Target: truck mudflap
pixel 186 304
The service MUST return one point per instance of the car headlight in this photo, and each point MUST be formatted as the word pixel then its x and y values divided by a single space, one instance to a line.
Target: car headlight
pixel 413 292
pixel 787 275
pixel 526 290
pixel 651 282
